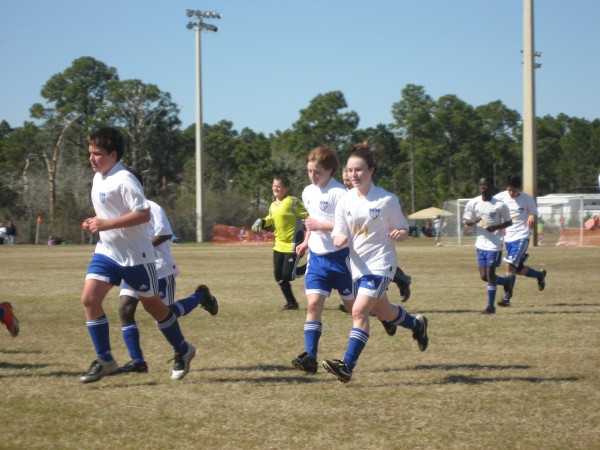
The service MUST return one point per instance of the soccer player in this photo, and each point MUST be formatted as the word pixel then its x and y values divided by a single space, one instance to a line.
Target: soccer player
pixel 123 253
pixel 286 216
pixel 166 270
pixel 523 213
pixel 327 265
pixel 8 318
pixel 491 216
pixel 369 220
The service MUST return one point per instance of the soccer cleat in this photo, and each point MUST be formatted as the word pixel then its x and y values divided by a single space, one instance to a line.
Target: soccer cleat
pixel 134 366
pixel 404 287
pixel 504 302
pixel 9 319
pixel 306 363
pixel 99 369
pixel 290 306
pixel 542 281
pixel 210 302
pixel 181 363
pixel 342 308
pixel 338 368
pixel 489 310
pixel 390 328
pixel 421 335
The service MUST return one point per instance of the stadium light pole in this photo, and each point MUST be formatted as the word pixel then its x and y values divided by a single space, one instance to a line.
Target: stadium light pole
pixel 529 132
pixel 199 25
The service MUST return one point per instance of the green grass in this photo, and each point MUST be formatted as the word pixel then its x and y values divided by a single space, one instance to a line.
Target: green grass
pixel 528 377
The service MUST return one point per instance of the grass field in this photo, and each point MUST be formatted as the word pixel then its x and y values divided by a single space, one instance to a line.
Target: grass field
pixel 527 377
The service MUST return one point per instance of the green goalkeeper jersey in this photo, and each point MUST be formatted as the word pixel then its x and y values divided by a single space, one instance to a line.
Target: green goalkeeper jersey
pixel 286 218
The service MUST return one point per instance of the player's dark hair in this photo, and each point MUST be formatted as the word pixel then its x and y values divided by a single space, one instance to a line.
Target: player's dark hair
pixel 363 151
pixel 108 139
pixel 325 156
pixel 513 181
pixel 283 180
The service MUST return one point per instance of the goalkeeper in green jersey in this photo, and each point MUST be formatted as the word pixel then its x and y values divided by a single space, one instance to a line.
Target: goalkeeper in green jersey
pixel 286 215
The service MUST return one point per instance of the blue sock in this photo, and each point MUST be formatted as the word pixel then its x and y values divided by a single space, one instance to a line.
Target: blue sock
pixel 186 305
pixel 512 279
pixel 98 329
pixel 312 334
pixel 491 292
pixel 170 329
pixel 502 281
pixel 532 273
pixel 406 320
pixel 356 344
pixel 1 313
pixel 131 337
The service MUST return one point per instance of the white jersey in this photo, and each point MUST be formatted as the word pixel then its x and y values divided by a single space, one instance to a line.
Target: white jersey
pixel 492 212
pixel 520 209
pixel 114 195
pixel 366 221
pixel 320 204
pixel 160 226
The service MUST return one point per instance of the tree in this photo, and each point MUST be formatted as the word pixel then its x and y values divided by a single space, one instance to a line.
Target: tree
pixel 141 110
pixel 457 150
pixel 501 140
pixel 413 115
pixel 324 122
pixel 77 95
pixel 79 90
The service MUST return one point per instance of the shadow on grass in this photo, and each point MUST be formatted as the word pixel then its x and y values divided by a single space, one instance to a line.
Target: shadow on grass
pixel 20 352
pixel 469 367
pixel 465 379
pixel 20 366
pixel 306 379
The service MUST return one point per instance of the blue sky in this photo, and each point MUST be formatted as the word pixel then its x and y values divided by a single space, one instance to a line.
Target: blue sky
pixel 270 58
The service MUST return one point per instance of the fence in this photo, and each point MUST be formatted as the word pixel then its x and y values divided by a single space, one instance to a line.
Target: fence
pixel 55 233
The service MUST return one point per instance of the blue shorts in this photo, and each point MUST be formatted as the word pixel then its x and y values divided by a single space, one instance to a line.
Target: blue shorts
pixel 166 290
pixel 516 252
pixel 489 258
pixel 330 271
pixel 372 285
pixel 141 278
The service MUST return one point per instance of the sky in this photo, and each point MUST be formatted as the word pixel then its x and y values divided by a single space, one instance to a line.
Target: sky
pixel 270 58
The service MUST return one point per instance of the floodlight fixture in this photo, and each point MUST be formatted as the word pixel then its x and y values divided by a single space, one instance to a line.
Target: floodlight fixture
pixel 189 12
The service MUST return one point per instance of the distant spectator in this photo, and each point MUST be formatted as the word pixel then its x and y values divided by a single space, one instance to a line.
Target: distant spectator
pixel 2 233
pixel 11 232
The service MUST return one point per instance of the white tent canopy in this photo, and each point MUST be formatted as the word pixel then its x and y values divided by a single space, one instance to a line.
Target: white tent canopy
pixel 429 213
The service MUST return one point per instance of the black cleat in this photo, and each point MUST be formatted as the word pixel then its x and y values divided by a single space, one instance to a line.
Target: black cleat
pixel 181 363
pixel 404 287
pixel 134 367
pixel 342 307
pixel 421 335
pixel 542 281
pixel 209 303
pixel 306 363
pixel 390 328
pixel 504 302
pixel 290 306
pixel 338 368
pixel 489 310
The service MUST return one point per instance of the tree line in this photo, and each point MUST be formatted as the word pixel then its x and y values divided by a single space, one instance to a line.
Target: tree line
pixel 434 150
